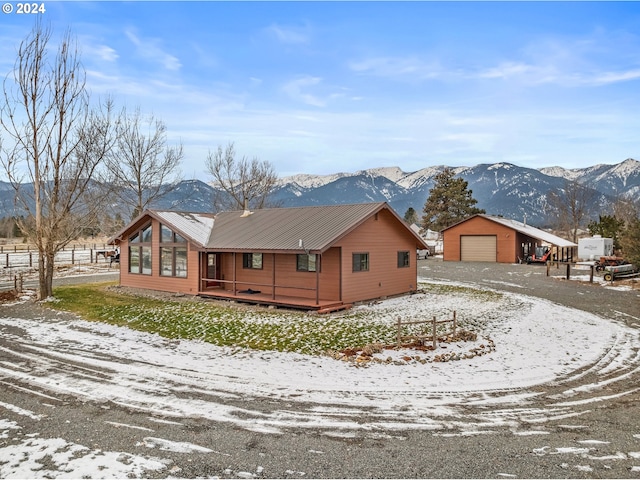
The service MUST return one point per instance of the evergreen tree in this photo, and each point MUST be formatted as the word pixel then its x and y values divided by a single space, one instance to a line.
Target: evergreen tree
pixel 410 216
pixel 608 226
pixel 449 202
pixel 630 241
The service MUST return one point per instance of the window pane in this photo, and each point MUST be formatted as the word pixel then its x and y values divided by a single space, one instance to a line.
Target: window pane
pixel 181 262
pixel 180 239
pixel 134 238
pixel 134 259
pixel 146 260
pixel 166 235
pixel 306 263
pixel 146 234
pixel 246 260
pixel 166 261
pixel 403 259
pixel 360 262
pixel 257 261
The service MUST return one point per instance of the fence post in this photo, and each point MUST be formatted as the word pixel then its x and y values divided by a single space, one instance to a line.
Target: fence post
pixel 454 323
pixel 6 262
pixel 399 331
pixel 30 259
pixel 568 271
pixel 592 267
pixel 435 338
pixel 73 256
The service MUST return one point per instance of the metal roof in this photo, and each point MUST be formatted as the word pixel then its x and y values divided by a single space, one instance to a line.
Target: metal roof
pixel 194 226
pixel 531 231
pixel 282 229
pixel 271 229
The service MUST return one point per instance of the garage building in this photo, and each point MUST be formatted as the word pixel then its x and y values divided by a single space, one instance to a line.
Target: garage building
pixel 487 238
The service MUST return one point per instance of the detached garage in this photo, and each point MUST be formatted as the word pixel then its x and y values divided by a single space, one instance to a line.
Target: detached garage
pixel 486 238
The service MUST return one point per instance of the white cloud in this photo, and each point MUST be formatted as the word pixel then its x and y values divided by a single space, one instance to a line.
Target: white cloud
pixel 412 67
pixel 151 50
pixel 289 35
pixel 296 90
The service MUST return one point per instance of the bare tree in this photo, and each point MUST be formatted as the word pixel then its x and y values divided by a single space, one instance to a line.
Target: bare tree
pixel 244 183
pixel 142 165
pixel 570 207
pixel 53 146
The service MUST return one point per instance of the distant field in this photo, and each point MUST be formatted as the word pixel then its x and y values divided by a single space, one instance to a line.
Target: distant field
pixel 18 258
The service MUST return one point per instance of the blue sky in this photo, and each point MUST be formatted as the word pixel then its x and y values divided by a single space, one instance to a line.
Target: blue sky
pixel 325 87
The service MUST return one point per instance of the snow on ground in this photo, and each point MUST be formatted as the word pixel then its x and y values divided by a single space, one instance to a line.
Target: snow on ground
pixel 535 342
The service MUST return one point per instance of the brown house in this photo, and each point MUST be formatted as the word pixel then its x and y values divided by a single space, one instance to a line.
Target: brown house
pixel 486 238
pixel 320 258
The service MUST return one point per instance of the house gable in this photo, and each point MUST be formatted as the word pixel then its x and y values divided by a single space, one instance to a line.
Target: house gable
pixel 214 255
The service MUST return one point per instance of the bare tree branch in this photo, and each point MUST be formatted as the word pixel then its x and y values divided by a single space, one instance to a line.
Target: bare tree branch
pixel 143 165
pixel 57 145
pixel 245 183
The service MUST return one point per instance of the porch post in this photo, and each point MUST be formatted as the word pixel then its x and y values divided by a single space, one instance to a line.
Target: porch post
pixel 273 276
pixel 234 273
pixel 318 257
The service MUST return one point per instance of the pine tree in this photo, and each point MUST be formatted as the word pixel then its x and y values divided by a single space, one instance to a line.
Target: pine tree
pixel 449 202
pixel 608 226
pixel 630 241
pixel 410 216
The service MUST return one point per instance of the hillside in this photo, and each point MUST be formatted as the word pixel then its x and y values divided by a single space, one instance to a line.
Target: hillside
pixel 501 188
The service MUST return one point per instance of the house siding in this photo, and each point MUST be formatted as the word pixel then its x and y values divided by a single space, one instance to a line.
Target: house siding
pixel 288 280
pixel 378 231
pixel 155 281
pixel 381 239
pixel 506 239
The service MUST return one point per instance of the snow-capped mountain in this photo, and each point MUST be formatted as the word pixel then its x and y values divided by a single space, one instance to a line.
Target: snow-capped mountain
pixel 501 189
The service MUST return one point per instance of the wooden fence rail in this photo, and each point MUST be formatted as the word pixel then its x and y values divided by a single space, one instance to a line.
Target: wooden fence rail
pixel 422 337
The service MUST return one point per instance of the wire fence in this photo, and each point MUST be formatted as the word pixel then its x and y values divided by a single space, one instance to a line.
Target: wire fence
pixel 19 263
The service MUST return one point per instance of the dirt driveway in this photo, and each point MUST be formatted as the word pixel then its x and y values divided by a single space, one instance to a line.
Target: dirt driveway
pixel 618 300
pixel 585 425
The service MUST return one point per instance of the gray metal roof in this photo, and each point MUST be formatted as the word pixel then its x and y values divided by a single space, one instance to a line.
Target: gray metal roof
pixel 281 229
pixel 195 226
pixel 271 229
pixel 530 231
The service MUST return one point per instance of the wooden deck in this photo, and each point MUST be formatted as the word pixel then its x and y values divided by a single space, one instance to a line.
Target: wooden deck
pixel 324 306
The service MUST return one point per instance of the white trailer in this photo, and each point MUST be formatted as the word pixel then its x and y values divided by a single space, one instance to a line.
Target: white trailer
pixel 595 247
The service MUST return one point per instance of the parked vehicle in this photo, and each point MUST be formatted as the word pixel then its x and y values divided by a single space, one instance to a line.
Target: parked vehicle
pixel 620 271
pixel 609 261
pixel 541 255
pixel 423 254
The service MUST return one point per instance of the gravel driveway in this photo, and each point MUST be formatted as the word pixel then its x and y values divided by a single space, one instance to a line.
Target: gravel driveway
pixel 601 441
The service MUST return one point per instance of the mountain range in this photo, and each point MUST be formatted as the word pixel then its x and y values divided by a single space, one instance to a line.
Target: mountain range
pixel 502 189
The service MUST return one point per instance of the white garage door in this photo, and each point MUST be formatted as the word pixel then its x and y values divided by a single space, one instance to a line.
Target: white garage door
pixel 478 248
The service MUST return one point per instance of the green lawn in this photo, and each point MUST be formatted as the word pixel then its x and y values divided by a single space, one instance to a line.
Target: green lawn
pixel 232 325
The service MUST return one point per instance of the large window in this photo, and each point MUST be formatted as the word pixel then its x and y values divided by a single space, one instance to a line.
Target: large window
pixel 252 260
pixel 403 259
pixel 360 262
pixel 140 251
pixel 173 253
pixel 306 263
